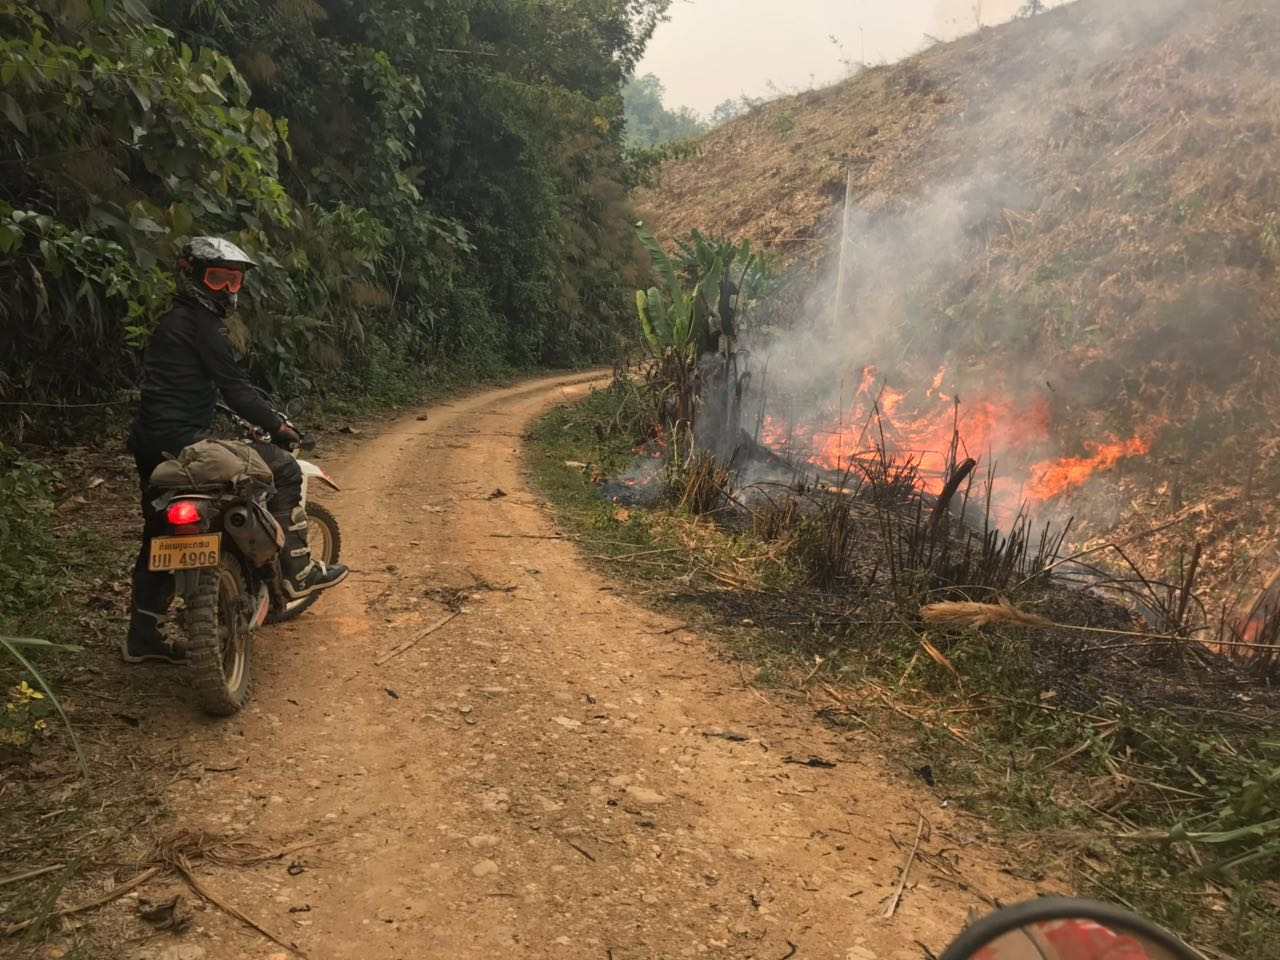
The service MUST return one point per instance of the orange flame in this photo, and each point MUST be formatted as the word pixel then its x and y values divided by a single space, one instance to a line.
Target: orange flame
pixel 993 426
pixel 1053 478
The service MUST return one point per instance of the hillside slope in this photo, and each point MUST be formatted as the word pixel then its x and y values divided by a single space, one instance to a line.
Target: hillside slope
pixel 1081 209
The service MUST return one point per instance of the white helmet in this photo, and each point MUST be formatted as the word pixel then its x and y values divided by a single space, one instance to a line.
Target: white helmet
pixel 212 270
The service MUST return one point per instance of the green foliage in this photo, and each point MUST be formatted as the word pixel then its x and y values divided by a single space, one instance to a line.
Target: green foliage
pixel 692 313
pixel 650 123
pixel 27 549
pixel 442 181
pixel 703 287
pixel 1244 828
pixel 674 316
pixel 26 702
pixel 28 574
pixel 120 141
pixel 1271 237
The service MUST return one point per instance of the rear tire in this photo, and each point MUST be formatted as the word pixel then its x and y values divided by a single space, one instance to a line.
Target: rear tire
pixel 219 638
pixel 325 539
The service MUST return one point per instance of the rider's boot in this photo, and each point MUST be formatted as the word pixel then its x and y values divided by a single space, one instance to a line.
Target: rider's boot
pixel 147 643
pixel 303 574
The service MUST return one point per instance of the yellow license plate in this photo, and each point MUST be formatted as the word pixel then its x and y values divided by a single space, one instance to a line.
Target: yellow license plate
pixel 185 553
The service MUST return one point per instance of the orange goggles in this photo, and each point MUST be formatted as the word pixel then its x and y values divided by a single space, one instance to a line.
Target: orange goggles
pixel 223 278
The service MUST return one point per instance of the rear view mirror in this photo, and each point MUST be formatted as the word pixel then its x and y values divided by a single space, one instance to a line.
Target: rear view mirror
pixel 1067 929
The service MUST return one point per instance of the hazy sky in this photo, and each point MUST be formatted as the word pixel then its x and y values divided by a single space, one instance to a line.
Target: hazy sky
pixel 712 50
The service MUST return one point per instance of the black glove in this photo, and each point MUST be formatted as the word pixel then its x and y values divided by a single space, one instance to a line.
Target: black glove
pixel 286 436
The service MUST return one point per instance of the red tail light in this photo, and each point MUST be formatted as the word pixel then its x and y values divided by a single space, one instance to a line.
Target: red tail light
pixel 183 513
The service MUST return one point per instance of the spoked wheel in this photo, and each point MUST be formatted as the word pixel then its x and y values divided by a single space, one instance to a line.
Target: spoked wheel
pixel 325 540
pixel 220 640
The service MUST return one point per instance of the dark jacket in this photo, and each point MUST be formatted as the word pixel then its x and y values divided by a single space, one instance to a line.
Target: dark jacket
pixel 187 363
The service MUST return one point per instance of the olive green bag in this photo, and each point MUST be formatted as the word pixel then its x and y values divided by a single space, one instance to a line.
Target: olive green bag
pixel 208 463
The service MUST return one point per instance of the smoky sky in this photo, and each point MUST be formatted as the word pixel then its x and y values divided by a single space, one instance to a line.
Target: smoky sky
pixel 713 50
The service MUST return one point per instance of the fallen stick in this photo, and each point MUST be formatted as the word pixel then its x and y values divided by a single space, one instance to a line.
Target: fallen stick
pixel 949 491
pixel 581 850
pixel 30 874
pixel 638 553
pixel 183 866
pixel 115 893
pixel 396 651
pixel 959 737
pixel 527 536
pixel 892 908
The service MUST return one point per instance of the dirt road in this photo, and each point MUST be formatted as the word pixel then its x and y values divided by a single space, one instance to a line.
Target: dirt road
pixel 554 773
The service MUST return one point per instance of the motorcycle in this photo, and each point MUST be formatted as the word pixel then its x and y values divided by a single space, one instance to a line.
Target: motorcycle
pixel 223 546
pixel 1063 928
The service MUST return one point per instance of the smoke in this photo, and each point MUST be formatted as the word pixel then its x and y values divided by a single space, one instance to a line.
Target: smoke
pixel 918 295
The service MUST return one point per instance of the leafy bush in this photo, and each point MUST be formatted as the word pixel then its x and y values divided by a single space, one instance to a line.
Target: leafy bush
pixel 27 547
pixel 441 181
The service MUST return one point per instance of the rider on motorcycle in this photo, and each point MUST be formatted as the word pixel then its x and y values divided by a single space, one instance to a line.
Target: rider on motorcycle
pixel 188 362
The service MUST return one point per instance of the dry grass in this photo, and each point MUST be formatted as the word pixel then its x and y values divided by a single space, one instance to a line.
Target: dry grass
pixel 701 484
pixel 977 615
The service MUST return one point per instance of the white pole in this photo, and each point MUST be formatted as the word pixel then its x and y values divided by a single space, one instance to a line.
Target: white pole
pixel 845 229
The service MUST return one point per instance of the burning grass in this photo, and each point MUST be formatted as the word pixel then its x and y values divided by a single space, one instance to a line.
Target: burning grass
pixel 1141 766
pixel 1072 218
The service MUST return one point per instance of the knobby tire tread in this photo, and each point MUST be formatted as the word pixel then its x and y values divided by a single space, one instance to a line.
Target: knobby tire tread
pixel 205 650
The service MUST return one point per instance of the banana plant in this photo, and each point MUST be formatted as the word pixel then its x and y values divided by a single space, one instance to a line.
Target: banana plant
pixel 674 321
pixel 690 313
pixel 677 315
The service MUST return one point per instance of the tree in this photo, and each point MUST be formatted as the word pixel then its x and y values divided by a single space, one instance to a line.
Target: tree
pixel 649 122
pixel 429 184
pixel 732 108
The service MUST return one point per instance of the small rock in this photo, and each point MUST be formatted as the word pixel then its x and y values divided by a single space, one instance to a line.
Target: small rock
pixel 485 868
pixel 645 795
pixel 483 840
pixel 566 722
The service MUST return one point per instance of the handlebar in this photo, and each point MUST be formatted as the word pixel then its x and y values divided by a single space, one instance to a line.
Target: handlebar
pixel 306 442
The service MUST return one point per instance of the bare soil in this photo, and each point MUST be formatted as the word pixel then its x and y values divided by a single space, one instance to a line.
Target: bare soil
pixel 556 771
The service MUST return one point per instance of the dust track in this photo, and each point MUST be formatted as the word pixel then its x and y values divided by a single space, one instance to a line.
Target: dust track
pixel 546 775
